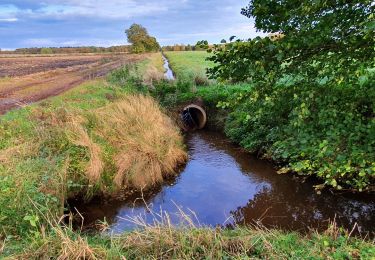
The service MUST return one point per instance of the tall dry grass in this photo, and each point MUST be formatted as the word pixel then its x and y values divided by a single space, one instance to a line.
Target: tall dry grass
pixel 162 240
pixel 149 145
pixel 154 70
pixel 78 135
pixel 152 75
pixel 64 152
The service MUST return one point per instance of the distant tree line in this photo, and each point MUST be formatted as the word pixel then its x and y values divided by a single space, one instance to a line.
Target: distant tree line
pixel 180 47
pixel 199 46
pixel 69 50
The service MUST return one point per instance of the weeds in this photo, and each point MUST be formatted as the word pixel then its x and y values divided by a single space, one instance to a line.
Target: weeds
pixel 82 144
pixel 164 241
pixel 147 141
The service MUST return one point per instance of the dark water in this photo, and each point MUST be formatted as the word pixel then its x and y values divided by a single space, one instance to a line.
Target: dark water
pixel 168 71
pixel 225 186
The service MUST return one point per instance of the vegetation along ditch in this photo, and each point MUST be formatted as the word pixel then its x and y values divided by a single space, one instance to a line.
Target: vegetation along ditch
pixel 261 148
pixel 223 185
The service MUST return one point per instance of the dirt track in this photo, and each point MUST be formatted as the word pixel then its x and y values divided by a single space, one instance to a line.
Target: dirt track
pixel 42 77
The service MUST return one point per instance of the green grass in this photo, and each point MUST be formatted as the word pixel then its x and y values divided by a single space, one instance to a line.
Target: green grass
pixel 42 162
pixel 166 242
pixel 81 143
pixel 152 60
pixel 190 65
pixel 33 156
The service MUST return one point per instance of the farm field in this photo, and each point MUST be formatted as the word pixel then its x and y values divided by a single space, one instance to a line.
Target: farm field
pixel 189 64
pixel 27 79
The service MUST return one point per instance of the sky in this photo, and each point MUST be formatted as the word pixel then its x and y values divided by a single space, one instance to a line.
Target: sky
pixel 57 23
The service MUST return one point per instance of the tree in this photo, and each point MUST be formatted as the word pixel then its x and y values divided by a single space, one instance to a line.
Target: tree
pixel 307 33
pixel 202 45
pixel 46 51
pixel 328 24
pixel 312 98
pixel 141 40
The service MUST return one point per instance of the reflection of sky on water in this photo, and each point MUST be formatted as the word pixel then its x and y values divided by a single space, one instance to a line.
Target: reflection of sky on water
pixel 224 185
pixel 211 185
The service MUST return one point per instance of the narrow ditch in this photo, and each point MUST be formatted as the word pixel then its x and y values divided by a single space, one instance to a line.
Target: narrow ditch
pixel 223 185
pixel 168 74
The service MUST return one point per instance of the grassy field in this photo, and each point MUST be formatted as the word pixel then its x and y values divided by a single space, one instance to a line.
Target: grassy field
pixel 102 137
pixel 96 139
pixel 190 65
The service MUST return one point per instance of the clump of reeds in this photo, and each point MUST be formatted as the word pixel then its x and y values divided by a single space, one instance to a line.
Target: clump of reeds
pixel 152 75
pixel 162 240
pixel 78 135
pixel 148 144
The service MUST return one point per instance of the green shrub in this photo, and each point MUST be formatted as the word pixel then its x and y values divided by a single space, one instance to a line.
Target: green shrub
pixel 323 130
pixel 312 107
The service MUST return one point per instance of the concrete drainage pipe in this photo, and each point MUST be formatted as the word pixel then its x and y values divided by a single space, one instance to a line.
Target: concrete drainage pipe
pixel 193 117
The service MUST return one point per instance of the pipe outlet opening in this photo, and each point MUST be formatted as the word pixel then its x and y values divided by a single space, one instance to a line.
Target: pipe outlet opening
pixel 194 117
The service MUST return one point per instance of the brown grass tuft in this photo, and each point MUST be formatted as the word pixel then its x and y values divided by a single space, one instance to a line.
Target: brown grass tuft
pixel 149 145
pixel 78 135
pixel 63 245
pixel 152 75
pixel 24 149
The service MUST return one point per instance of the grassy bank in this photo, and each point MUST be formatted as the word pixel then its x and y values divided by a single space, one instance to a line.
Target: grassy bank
pixel 104 137
pixel 162 241
pixel 97 139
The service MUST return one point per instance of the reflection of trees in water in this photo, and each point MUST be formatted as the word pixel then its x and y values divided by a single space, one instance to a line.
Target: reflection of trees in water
pixel 300 210
pixel 281 200
pixel 290 203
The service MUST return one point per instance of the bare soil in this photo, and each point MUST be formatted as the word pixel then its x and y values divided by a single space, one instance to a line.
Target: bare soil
pixel 24 80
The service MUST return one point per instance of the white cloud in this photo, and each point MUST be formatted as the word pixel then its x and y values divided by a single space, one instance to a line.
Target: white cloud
pixel 8 13
pixel 9 20
pixel 110 9
pixel 241 31
pixel 102 22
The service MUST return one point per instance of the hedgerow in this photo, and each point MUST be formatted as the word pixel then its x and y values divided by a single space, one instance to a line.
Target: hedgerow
pixel 312 104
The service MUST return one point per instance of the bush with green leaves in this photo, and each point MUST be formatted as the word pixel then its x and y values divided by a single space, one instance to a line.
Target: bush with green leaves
pixel 312 104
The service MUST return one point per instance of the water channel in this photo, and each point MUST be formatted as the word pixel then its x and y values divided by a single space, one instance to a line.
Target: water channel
pixel 168 74
pixel 223 185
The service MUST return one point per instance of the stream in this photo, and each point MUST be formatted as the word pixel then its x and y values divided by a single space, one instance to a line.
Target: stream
pixel 223 185
pixel 168 74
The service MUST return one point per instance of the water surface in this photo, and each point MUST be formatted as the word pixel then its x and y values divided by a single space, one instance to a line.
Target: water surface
pixel 223 185
pixel 168 71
